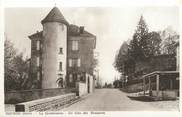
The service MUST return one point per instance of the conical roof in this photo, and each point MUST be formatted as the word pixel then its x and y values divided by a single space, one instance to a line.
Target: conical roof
pixel 55 16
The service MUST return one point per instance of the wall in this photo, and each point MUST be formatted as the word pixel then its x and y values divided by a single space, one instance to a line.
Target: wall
pixel 82 88
pixel 177 58
pixel 91 83
pixel 34 54
pixel 54 34
pixel 85 52
pixel 46 104
pixel 13 97
pixel 167 94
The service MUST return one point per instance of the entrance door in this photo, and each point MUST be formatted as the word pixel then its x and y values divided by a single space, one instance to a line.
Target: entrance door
pixel 74 79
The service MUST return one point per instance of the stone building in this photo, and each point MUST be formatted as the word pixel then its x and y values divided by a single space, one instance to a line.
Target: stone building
pixel 81 45
pixel 60 52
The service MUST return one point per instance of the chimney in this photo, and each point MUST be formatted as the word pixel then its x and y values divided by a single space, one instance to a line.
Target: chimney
pixel 81 29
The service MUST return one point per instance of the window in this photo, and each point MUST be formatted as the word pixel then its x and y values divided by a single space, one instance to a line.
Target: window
pixel 38 61
pixel 60 66
pixel 70 77
pixel 74 62
pixel 78 77
pixel 74 45
pixel 38 76
pixel 38 45
pixel 78 63
pixel 70 63
pixel 60 50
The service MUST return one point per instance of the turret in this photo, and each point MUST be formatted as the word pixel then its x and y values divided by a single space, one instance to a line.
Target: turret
pixel 54 49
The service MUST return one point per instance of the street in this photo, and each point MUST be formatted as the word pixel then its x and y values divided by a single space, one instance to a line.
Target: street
pixel 116 100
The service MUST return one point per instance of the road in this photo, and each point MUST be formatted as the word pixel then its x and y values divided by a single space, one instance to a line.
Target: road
pixel 116 100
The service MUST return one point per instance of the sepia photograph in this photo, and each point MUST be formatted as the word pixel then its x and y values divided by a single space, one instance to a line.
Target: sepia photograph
pixel 91 58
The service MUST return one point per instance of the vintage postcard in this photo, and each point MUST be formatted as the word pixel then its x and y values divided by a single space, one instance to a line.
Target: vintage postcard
pixel 103 59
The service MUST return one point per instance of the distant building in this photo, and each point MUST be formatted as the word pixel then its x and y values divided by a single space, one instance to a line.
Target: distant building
pixel 177 56
pixel 59 52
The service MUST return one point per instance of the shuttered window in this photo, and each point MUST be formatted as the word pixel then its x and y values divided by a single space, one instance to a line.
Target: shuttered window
pixel 70 77
pixel 70 63
pixel 74 62
pixel 78 63
pixel 38 45
pixel 38 61
pixel 74 45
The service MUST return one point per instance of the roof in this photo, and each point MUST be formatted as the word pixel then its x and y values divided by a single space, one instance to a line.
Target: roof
pixel 161 72
pixel 55 16
pixel 36 35
pixel 74 30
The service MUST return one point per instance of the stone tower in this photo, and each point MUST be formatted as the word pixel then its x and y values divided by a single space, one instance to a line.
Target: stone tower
pixel 54 49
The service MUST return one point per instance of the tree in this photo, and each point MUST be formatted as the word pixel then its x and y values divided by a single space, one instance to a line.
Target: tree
pixel 121 57
pixel 16 69
pixel 144 44
pixel 169 38
pixel 116 83
pixel 138 45
pixel 105 85
pixel 153 44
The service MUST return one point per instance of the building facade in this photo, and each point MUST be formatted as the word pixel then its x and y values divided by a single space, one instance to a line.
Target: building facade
pixel 80 58
pixel 60 53
pixel 177 56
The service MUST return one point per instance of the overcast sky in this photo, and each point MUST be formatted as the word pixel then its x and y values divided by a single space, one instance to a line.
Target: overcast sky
pixel 111 25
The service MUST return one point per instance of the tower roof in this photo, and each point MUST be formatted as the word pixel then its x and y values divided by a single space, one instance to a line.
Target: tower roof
pixel 55 16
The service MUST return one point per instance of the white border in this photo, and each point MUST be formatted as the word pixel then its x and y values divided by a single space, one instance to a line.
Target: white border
pixel 87 3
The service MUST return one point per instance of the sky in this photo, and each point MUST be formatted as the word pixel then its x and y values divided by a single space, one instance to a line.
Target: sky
pixel 111 25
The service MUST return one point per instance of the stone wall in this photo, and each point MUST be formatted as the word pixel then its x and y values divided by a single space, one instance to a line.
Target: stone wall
pixel 46 104
pixel 13 97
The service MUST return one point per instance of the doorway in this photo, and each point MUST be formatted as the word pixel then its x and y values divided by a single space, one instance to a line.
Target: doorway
pixel 88 85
